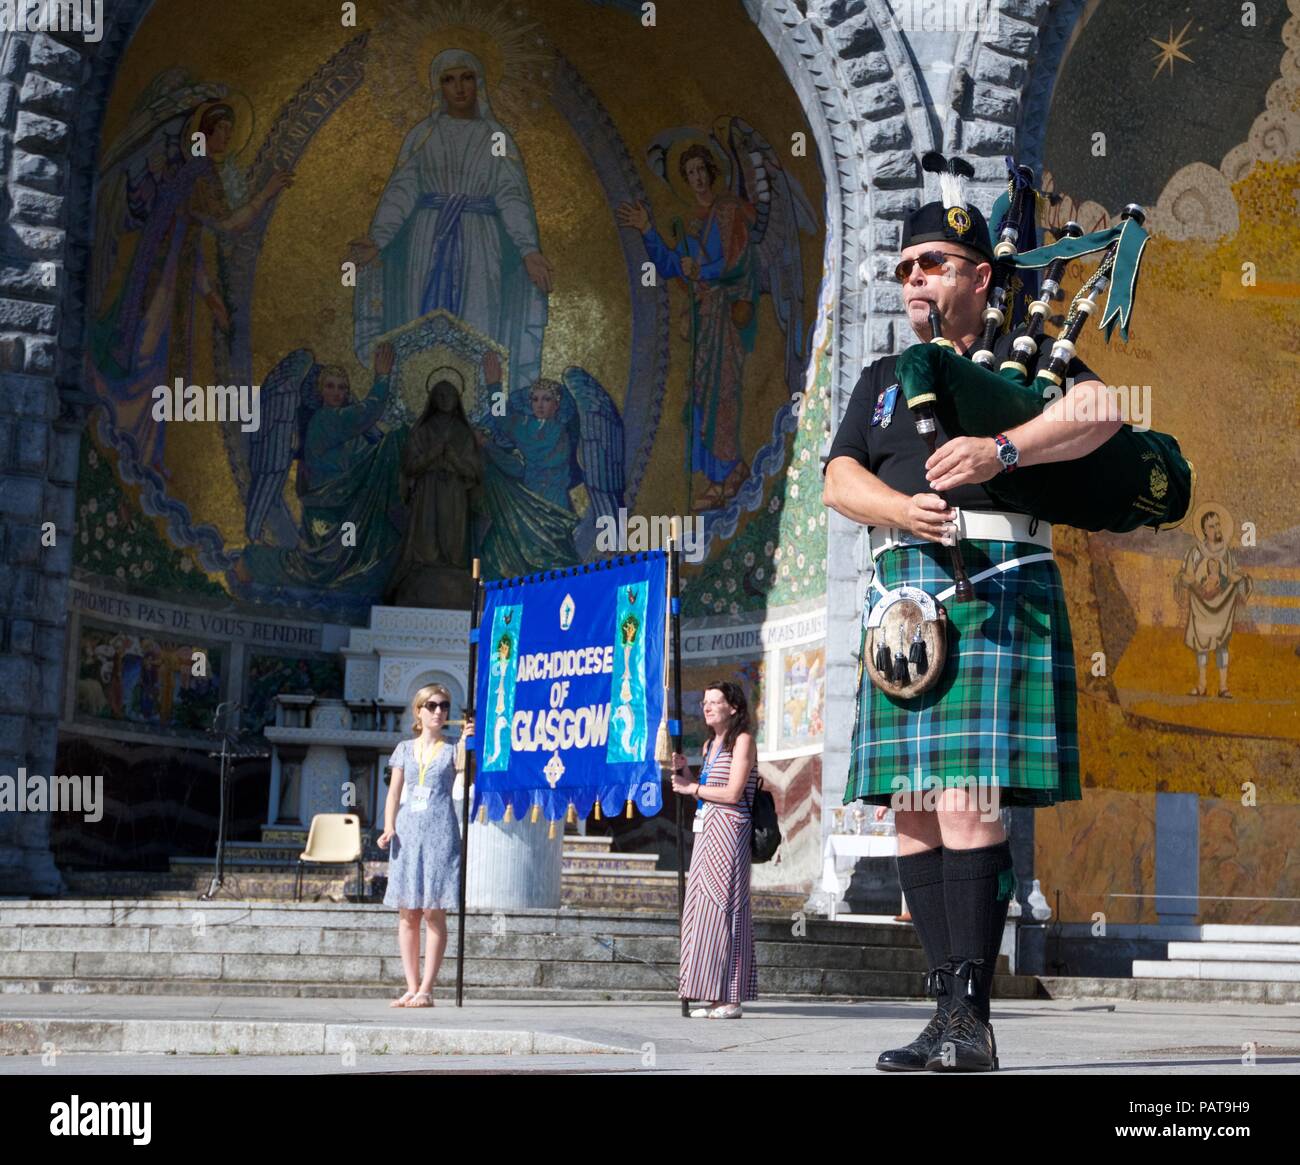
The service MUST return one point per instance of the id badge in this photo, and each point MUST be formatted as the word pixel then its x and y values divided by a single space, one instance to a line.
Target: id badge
pixel 697 825
pixel 420 798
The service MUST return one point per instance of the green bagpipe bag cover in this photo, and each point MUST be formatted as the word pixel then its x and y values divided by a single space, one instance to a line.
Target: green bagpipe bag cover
pixel 1137 478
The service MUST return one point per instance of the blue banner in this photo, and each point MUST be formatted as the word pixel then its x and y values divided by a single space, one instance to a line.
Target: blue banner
pixel 571 689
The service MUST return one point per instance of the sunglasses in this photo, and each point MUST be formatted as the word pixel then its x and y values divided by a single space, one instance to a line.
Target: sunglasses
pixel 929 261
pixel 434 705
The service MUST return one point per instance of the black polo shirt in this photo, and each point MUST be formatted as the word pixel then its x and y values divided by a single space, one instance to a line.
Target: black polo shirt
pixel 896 453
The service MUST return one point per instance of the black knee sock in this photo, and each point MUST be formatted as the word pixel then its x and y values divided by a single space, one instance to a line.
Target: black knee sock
pixel 978 885
pixel 921 877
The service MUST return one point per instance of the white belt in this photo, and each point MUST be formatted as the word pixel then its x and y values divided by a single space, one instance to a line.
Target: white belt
pixel 994 526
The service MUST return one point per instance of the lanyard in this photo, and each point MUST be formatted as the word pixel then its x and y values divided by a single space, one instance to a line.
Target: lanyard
pixel 704 775
pixel 423 765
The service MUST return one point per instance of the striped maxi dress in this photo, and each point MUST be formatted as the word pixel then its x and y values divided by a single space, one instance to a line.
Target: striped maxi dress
pixel 718 963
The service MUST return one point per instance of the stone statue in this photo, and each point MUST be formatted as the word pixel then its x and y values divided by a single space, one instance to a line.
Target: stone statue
pixel 441 473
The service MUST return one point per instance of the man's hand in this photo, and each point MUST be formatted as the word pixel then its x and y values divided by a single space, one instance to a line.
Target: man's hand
pixel 928 516
pixel 384 358
pixel 963 461
pixel 491 367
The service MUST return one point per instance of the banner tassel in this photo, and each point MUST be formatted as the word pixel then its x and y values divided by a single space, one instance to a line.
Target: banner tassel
pixel 571 817
pixel 664 745
pixel 628 811
pixel 535 815
pixel 509 815
pixel 596 810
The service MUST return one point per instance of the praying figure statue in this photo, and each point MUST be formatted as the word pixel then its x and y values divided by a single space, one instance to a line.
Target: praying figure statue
pixel 441 473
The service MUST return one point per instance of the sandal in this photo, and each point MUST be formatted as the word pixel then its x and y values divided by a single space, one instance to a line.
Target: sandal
pixel 415 999
pixel 400 1001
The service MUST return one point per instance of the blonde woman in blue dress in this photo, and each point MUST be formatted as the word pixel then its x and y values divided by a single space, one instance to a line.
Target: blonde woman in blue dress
pixel 420 824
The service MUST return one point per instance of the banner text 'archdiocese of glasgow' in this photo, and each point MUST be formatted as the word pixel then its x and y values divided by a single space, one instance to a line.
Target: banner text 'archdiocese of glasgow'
pixel 570 690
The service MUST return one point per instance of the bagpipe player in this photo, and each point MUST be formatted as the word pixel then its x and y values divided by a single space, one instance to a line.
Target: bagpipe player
pixel 973 708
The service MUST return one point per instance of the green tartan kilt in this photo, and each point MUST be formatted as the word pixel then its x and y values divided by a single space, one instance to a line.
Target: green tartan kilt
pixel 1003 713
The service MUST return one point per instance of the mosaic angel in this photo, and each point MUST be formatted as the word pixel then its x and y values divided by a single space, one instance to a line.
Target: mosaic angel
pixel 739 243
pixel 346 478
pixel 170 199
pixel 555 436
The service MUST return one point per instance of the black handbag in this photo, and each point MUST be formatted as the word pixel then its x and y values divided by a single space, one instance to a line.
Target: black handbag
pixel 765 836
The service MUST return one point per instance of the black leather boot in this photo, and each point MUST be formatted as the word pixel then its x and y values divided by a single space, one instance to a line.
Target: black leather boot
pixel 916 1055
pixel 967 1043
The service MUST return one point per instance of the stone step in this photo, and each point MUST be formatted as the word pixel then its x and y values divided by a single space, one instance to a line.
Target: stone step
pixel 1195 969
pixel 1182 990
pixel 244 1037
pixel 629 873
pixel 286 866
pixel 296 839
pixel 274 942
pixel 1237 952
pixel 592 843
pixel 188 912
pixel 300 990
pixel 514 979
pixel 275 884
pixel 657 890
pixel 628 891
pixel 600 863
pixel 277 854
pixel 1229 933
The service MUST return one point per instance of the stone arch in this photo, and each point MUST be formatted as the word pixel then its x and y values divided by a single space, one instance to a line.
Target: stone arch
pixel 849 64
pixel 1002 87
pixel 435 676
pixel 53 93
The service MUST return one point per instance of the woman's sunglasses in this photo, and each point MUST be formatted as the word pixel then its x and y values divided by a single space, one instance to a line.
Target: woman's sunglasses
pixel 434 705
pixel 929 261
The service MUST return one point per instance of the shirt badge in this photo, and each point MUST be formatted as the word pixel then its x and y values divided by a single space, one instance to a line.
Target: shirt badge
pixel 883 413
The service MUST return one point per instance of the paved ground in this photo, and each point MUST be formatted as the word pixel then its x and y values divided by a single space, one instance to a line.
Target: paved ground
pixel 1051 1037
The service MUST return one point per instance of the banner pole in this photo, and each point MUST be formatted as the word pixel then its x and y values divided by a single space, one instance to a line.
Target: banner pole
pixel 674 617
pixel 469 781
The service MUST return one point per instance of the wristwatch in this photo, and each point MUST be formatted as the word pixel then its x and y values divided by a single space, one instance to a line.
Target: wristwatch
pixel 1008 454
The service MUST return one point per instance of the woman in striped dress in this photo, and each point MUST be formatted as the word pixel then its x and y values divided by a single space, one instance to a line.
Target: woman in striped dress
pixel 717 963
